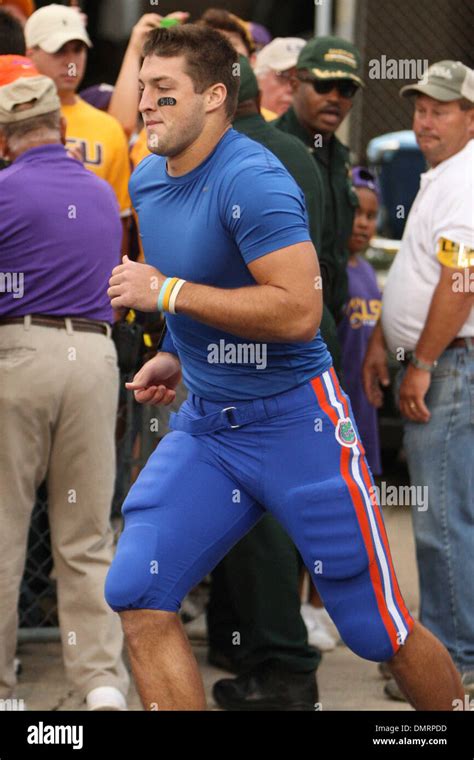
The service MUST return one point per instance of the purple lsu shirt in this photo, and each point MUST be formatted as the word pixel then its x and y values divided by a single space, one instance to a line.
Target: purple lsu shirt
pixel 360 317
pixel 60 236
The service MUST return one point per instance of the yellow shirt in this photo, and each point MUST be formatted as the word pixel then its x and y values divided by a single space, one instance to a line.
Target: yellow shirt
pixel 268 115
pixel 104 147
pixel 139 150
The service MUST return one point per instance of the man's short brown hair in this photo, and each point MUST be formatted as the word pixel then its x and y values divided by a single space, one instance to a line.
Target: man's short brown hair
pixel 210 58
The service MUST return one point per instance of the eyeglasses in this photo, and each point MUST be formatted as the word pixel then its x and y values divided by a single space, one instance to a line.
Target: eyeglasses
pixel 345 87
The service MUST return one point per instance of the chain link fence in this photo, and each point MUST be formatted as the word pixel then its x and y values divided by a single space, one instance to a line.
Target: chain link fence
pixel 396 40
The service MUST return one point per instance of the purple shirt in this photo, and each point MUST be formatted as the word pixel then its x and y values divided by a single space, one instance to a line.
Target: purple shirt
pixel 360 317
pixel 60 236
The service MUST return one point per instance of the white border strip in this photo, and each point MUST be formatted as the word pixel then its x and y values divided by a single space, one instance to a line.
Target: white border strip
pixel 388 593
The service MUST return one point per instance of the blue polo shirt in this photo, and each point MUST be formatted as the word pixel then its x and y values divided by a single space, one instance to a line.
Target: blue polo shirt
pixel 60 236
pixel 206 227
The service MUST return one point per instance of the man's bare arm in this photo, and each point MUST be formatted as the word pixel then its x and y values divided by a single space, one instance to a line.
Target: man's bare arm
pixel 284 305
pixel 448 312
pixel 375 373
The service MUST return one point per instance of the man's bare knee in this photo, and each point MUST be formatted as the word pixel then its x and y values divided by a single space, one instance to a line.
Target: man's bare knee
pixel 139 624
pixel 400 656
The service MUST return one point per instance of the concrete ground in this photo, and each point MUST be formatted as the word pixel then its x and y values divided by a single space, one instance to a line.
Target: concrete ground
pixel 345 681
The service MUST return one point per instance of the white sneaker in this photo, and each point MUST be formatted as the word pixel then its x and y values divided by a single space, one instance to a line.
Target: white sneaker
pixel 323 618
pixel 106 698
pixel 319 634
pixel 320 617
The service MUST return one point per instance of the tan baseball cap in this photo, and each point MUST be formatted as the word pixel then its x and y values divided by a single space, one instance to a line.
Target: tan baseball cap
pixel 445 81
pixel 52 26
pixel 40 92
pixel 280 54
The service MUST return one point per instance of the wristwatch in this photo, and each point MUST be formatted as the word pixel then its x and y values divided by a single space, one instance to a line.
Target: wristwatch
pixel 422 365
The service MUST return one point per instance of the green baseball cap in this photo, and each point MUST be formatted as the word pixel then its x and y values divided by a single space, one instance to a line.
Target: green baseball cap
pixel 445 81
pixel 248 81
pixel 331 58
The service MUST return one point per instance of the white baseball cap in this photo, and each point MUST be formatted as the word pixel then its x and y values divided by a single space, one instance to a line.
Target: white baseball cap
pixel 279 55
pixel 52 26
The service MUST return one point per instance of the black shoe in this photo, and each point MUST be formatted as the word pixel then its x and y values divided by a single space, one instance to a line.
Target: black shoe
pixel 268 687
pixel 223 661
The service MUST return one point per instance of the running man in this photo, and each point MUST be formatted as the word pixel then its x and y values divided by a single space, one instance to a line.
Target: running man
pixel 266 425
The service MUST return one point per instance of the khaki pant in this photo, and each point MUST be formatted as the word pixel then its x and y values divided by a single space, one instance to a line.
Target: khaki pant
pixel 58 401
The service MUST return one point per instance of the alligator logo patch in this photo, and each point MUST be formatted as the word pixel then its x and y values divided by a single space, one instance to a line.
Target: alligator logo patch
pixel 345 433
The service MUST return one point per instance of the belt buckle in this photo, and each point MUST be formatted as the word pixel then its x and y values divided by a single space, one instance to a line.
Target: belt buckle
pixel 228 409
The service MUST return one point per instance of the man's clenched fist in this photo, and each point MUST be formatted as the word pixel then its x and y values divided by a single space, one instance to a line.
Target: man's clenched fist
pixel 135 286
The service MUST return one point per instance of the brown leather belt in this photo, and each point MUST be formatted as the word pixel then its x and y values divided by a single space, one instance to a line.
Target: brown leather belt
pixel 456 343
pixel 460 343
pixel 81 325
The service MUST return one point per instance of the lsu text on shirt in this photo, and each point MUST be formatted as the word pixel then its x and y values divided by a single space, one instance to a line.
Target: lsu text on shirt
pixel 104 147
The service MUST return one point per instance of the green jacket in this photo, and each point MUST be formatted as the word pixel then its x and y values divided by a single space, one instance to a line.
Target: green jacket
pixel 295 158
pixel 332 160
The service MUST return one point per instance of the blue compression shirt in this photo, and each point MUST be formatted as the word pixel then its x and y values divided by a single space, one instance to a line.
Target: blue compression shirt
pixel 206 227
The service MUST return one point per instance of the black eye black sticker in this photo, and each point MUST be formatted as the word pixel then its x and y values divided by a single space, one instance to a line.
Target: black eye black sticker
pixel 167 101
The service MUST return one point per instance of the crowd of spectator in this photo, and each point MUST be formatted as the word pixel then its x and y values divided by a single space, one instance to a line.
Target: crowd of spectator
pixel 67 220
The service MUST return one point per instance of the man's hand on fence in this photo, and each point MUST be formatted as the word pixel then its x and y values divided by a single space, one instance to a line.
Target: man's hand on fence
pixel 156 381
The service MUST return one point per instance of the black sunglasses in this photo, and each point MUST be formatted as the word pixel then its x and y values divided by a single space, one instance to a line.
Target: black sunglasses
pixel 345 87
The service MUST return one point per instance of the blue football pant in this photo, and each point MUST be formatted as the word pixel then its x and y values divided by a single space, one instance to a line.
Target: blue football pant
pixel 199 494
